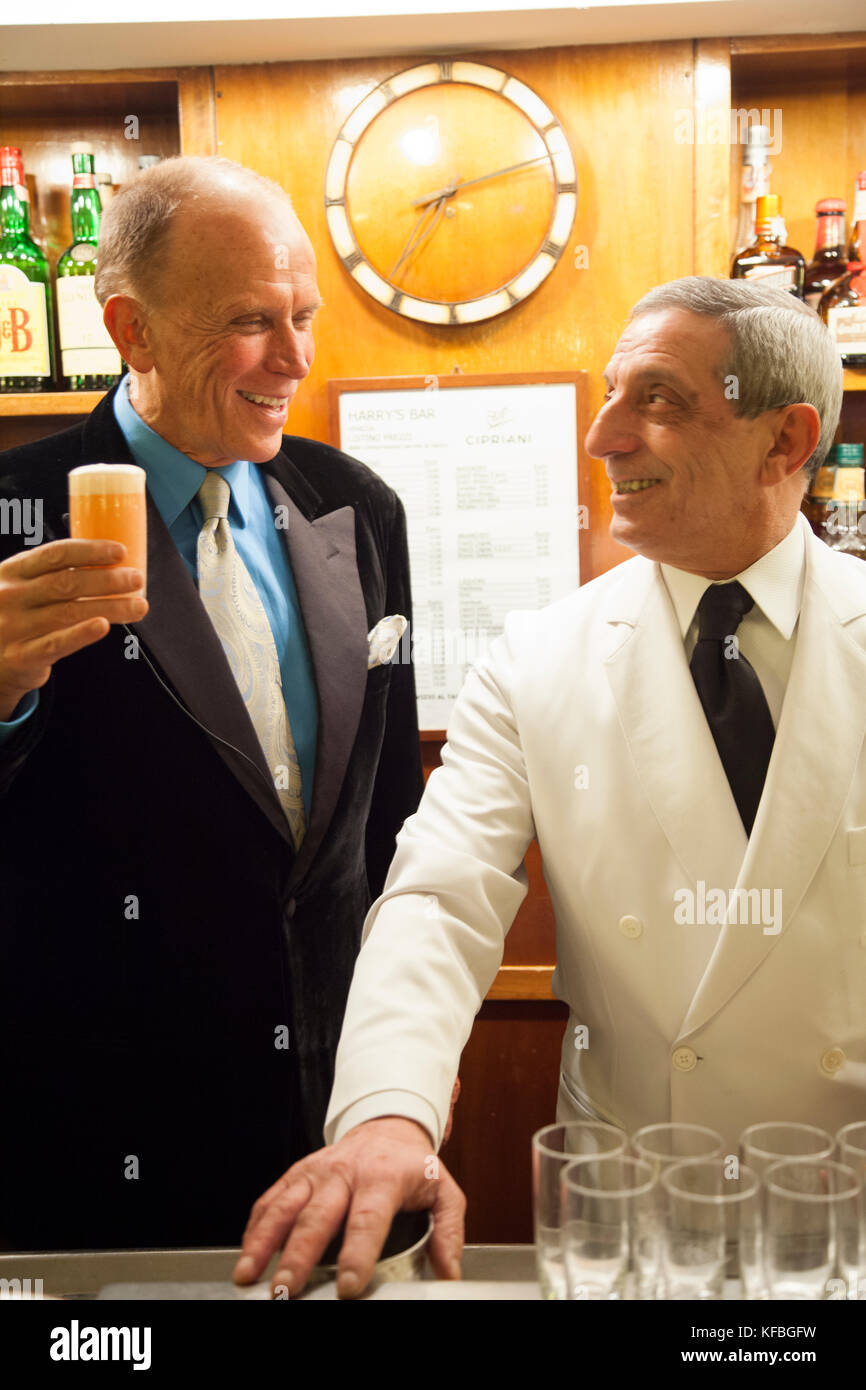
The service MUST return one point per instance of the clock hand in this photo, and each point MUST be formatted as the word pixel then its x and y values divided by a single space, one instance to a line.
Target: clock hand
pixel 419 232
pixel 464 183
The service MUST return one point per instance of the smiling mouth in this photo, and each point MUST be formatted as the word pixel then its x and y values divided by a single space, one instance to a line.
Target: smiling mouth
pixel 636 485
pixel 270 402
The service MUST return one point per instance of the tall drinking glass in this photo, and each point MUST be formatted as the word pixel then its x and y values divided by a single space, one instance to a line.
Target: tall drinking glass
pixel 553 1148
pixel 851 1144
pixel 710 1218
pixel 777 1141
pixel 608 1224
pixel 851 1140
pixel 662 1146
pixel 812 1226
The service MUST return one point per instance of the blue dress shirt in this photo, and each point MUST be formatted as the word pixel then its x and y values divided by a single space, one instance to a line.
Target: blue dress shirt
pixel 173 481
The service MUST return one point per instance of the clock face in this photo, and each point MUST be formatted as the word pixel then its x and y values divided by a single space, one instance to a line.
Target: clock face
pixel 450 192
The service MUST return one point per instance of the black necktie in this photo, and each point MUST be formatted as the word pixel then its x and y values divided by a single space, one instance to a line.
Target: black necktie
pixel 730 692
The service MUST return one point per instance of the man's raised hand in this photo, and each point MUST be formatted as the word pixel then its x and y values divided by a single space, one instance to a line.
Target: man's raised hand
pixel 41 619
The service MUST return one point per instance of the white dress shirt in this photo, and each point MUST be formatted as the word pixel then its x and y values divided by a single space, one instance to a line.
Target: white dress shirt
pixel 767 635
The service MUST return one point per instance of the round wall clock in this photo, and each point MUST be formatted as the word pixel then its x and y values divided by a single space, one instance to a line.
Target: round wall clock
pixel 450 192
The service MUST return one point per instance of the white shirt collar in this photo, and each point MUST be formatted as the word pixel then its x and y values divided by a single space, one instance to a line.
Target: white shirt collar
pixel 775 582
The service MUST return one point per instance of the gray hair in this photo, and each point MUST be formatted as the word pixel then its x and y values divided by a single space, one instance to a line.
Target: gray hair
pixel 136 226
pixel 780 352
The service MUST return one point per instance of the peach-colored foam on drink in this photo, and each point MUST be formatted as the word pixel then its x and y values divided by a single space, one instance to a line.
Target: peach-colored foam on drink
pixel 107 502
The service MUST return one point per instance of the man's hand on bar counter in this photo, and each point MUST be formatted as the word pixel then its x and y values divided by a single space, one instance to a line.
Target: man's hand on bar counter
pixel 379 1168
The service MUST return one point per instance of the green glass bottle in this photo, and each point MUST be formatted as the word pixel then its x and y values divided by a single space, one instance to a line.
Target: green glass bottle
pixel 26 319
pixel 89 359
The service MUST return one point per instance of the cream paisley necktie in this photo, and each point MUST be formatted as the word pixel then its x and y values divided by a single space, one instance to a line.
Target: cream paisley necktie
pixel 236 611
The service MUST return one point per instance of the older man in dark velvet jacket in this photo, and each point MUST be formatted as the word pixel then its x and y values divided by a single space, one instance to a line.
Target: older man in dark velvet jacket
pixel 174 961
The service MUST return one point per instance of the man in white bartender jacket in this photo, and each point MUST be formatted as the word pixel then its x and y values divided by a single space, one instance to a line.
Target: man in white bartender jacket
pixel 693 997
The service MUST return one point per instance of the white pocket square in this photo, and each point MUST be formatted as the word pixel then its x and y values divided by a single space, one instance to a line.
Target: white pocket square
pixel 384 639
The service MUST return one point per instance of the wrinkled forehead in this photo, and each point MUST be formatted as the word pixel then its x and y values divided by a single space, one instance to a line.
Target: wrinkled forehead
pixel 691 347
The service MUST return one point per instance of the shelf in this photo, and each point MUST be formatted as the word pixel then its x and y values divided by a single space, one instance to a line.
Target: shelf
pixel 121 114
pixel 782 58
pixel 36 403
pixel 522 982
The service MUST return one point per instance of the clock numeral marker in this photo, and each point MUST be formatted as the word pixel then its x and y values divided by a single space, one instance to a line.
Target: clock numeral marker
pixel 566 188
pixel 452 314
pixel 396 301
pixel 388 93
pixel 335 203
pixel 446 68
pixel 351 261
pixel 552 248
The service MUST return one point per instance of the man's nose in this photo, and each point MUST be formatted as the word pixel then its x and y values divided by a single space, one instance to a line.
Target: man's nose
pixel 289 353
pixel 611 432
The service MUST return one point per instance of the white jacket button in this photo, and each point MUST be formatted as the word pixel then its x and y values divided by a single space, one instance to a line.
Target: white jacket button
pixel 632 927
pixel 685 1059
pixel 832 1060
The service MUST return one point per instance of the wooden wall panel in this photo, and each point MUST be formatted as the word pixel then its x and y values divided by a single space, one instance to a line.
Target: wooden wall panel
pixel 712 200
pixel 196 111
pixel 619 106
pixel 509 1075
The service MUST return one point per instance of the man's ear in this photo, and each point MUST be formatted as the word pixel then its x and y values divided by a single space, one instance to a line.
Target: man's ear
pixel 126 320
pixel 796 432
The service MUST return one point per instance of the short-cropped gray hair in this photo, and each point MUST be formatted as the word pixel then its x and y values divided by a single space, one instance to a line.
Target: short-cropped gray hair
pixel 780 351
pixel 136 225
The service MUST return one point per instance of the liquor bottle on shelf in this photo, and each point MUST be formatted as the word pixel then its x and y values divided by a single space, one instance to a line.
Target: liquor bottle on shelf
pixel 830 259
pixel 845 524
pixel 89 359
pixel 843 309
pixel 768 259
pixel 818 501
pixel 857 245
pixel 26 319
pixel 754 182
pixel 105 187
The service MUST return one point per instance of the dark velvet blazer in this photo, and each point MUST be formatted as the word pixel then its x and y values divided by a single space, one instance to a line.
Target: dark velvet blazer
pixel 172 976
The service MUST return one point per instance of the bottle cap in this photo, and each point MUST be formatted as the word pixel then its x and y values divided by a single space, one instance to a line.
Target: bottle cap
pixel 81 147
pixel 767 207
pixel 846 455
pixel 758 137
pixel 10 158
pixel 830 205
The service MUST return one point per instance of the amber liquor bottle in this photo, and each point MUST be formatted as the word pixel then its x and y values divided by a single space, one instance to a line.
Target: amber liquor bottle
pixel 844 526
pixel 768 260
pixel 843 309
pixel 830 259
pixel 857 245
